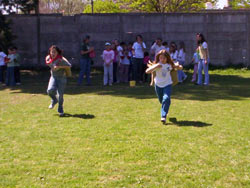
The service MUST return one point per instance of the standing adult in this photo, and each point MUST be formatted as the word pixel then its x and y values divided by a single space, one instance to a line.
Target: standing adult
pixel 85 61
pixel 204 58
pixel 156 47
pixel 138 51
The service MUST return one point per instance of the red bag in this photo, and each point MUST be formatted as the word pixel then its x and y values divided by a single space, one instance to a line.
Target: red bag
pixel 92 54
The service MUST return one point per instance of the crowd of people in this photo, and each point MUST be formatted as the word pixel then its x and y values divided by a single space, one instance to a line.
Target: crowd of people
pixel 123 62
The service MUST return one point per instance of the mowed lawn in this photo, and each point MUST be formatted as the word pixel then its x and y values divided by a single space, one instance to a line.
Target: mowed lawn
pixel 112 136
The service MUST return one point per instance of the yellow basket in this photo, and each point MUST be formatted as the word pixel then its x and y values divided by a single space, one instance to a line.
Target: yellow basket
pixel 132 83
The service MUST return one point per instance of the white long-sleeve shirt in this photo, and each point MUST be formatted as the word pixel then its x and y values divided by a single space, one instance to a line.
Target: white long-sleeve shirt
pixel 181 55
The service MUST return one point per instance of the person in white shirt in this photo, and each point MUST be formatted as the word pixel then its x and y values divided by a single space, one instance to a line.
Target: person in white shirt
pixel 156 47
pixel 138 53
pixel 173 52
pixel 2 65
pixel 125 62
pixel 204 59
pixel 181 57
pixel 163 82
pixel 108 57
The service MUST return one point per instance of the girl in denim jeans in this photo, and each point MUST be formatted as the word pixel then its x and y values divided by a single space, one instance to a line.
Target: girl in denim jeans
pixel 163 82
pixel 59 67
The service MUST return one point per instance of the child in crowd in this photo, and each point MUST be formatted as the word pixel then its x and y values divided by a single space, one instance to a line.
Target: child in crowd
pixel 165 44
pixel 163 82
pixel 125 62
pixel 2 65
pixel 146 59
pixel 116 62
pixel 59 68
pixel 181 57
pixel 173 52
pixel 17 66
pixel 10 61
pixel 108 58
pixel 195 61
pixel 130 69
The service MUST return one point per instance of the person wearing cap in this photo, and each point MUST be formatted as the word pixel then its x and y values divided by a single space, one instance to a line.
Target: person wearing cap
pixel 85 61
pixel 108 57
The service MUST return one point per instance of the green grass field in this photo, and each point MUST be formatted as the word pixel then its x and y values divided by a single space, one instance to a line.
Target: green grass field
pixel 112 136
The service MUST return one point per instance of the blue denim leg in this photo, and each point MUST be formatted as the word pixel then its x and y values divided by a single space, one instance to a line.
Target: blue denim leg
pixel 88 69
pixel 205 66
pixel 10 76
pixel 61 84
pixel 164 96
pixel 52 90
pixel 200 67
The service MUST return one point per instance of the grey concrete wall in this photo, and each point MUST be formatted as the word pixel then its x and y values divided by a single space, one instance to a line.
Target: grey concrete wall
pixel 227 33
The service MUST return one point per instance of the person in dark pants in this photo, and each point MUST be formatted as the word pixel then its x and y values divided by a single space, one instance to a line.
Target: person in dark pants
pixel 85 61
pixel 138 52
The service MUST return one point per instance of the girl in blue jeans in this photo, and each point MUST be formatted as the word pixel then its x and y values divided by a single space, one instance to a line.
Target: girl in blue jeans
pixel 163 82
pixel 59 68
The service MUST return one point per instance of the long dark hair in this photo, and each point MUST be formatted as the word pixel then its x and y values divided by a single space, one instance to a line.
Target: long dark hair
pixel 59 51
pixel 182 46
pixel 201 40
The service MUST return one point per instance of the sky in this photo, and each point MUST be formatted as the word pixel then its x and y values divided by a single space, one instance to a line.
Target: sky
pixel 222 3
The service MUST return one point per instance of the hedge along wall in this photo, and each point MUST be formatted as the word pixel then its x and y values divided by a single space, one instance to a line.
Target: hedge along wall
pixel 227 33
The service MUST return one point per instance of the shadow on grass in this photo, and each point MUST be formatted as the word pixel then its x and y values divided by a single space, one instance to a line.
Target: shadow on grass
pixel 222 87
pixel 189 123
pixel 81 116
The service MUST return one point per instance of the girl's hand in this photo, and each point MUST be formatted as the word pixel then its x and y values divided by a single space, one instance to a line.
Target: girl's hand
pixel 205 61
pixel 150 63
pixel 55 68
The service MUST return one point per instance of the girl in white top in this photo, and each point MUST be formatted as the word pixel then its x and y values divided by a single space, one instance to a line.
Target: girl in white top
pixel 156 47
pixel 163 82
pixel 181 59
pixel 173 52
pixel 204 59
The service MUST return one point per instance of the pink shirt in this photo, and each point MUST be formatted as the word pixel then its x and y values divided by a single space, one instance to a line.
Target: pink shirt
pixel 108 56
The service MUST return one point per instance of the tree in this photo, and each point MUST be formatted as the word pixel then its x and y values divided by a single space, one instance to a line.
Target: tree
pixel 68 7
pixel 12 6
pixel 6 36
pixel 105 6
pixel 162 6
pixel 238 4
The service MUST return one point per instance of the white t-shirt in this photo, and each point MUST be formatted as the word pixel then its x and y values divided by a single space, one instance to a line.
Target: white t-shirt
pixel 204 45
pixel 181 55
pixel 108 55
pixel 2 56
pixel 155 48
pixel 138 50
pixel 163 76
pixel 174 55
pixel 125 58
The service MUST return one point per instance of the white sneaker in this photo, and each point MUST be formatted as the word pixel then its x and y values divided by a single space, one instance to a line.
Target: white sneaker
pixel 52 105
pixel 163 120
pixel 61 114
pixel 18 83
